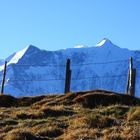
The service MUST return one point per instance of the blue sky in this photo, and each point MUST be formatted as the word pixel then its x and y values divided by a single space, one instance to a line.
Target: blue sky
pixel 57 24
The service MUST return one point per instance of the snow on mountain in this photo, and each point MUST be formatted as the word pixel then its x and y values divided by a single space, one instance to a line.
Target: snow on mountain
pixel 32 71
pixel 1 64
pixel 79 46
pixel 104 42
pixel 14 58
pixel 17 56
pixel 1 61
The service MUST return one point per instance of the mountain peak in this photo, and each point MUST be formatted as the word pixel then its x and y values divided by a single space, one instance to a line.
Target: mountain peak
pixel 104 42
pixel 19 54
pixel 31 47
pixel 14 59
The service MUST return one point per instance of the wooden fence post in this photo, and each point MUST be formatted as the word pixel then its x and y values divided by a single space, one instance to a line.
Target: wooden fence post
pixel 127 86
pixel 68 77
pixel 3 80
pixel 130 89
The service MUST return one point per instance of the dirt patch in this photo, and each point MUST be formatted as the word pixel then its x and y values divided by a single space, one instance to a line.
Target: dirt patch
pixel 55 113
pixel 27 101
pixel 8 101
pixel 8 122
pixel 95 99
pixel 20 135
pixel 51 133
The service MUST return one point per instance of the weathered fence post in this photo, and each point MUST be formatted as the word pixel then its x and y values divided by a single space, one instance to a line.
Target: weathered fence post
pixel 131 79
pixel 132 90
pixel 3 80
pixel 68 77
pixel 127 86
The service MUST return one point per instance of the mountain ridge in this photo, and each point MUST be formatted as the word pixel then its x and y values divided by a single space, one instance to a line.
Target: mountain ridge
pixel 37 71
pixel 105 42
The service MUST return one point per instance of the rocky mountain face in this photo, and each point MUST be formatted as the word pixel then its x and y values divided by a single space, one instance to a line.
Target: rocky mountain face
pixel 32 71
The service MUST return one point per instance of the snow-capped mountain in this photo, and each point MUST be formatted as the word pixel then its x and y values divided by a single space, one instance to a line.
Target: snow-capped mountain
pixel 1 62
pixel 32 71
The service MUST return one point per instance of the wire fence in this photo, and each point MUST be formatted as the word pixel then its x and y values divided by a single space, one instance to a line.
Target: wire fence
pixel 73 65
pixel 57 72
pixel 53 64
pixel 73 79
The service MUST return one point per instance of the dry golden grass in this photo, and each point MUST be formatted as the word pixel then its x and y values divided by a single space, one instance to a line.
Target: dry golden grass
pixel 134 114
pixel 60 117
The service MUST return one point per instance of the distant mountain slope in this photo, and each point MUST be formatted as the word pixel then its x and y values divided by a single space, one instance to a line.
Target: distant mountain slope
pixel 32 71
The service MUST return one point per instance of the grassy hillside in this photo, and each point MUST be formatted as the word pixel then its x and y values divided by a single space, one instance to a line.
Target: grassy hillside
pixel 76 116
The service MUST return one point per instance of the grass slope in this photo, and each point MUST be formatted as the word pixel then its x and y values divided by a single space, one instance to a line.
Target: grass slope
pixel 85 115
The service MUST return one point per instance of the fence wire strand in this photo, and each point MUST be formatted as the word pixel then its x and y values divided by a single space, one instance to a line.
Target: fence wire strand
pixel 73 79
pixel 82 64
pixel 60 77
pixel 100 63
pixel 100 77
